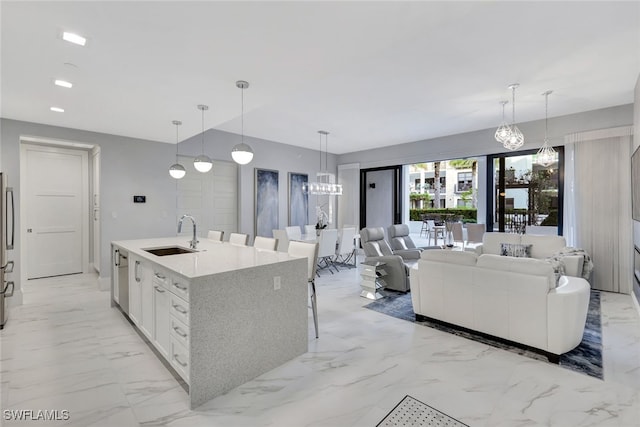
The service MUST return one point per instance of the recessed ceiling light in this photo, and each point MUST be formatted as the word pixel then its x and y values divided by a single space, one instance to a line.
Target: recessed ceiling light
pixel 63 83
pixel 57 109
pixel 74 38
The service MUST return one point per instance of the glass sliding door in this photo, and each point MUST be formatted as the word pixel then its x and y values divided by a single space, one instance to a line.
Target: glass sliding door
pixel 523 193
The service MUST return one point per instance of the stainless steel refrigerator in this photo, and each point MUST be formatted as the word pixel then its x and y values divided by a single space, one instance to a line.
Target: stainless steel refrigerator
pixel 7 238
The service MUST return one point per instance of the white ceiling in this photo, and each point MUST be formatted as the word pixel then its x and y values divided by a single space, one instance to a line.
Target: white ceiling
pixel 371 73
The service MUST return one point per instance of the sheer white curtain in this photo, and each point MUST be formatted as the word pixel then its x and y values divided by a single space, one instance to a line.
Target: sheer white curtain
pixel 598 203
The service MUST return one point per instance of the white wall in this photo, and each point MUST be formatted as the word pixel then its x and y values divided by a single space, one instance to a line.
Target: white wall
pixel 267 155
pixel 380 203
pixel 129 167
pixel 482 142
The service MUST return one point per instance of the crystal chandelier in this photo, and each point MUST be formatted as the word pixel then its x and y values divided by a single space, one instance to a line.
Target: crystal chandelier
pixel 546 155
pixel 176 170
pixel 203 163
pixel 515 139
pixel 242 153
pixel 325 181
pixel 504 130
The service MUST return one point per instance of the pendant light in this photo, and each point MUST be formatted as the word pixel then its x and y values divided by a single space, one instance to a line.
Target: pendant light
pixel 325 184
pixel 203 163
pixel 176 170
pixel 546 155
pixel 516 138
pixel 242 153
pixel 504 130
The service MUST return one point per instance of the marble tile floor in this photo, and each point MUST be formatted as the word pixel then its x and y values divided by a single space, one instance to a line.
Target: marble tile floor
pixel 66 349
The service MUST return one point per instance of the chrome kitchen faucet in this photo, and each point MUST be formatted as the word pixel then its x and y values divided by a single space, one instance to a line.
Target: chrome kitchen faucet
pixel 192 243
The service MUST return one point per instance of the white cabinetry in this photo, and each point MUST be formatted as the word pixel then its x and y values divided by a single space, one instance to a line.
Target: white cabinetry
pixel 161 316
pixel 135 306
pixel 158 306
pixel 115 283
pixel 146 298
pixel 141 294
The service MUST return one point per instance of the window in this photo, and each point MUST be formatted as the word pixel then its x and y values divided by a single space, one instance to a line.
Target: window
pixel 522 193
pixel 465 181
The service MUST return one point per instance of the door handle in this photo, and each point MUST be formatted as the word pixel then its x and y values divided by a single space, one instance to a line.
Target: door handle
pixel 159 289
pixel 9 246
pixel 117 257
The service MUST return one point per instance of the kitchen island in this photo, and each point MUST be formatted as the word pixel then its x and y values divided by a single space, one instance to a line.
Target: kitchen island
pixel 220 316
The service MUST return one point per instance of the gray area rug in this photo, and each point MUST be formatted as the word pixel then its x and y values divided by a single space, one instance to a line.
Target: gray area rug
pixel 586 358
pixel 411 412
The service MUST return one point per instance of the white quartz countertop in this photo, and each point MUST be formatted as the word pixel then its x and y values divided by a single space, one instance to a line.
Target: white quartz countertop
pixel 211 257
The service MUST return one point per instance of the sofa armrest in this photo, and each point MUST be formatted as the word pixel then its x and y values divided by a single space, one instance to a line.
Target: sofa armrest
pixel 408 253
pixel 573 265
pixel 414 276
pixel 567 314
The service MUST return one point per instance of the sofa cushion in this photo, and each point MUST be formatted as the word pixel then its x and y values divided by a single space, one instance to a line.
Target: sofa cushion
pixel 543 246
pixel 450 257
pixel 530 266
pixel 492 241
pixel 515 249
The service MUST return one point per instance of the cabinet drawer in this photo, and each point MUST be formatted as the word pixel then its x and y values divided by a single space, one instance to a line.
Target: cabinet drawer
pixel 161 278
pixel 180 288
pixel 179 331
pixel 179 308
pixel 180 359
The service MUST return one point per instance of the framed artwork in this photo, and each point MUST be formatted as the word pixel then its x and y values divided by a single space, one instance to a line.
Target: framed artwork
pixel 298 199
pixel 266 202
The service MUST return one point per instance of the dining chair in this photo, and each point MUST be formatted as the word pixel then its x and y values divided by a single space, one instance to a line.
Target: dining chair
pixel 434 231
pixel 309 250
pixel 346 247
pixel 283 240
pixel 327 248
pixel 475 233
pixel 215 235
pixel 239 239
pixel 294 232
pixel 458 234
pixel 310 229
pixel 267 243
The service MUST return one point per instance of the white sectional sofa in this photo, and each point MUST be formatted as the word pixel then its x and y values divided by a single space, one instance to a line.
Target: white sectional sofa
pixel 515 299
pixel 542 246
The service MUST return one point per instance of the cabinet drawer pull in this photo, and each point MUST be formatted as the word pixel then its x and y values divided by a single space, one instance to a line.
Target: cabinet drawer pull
pixel 160 276
pixel 180 332
pixel 182 288
pixel 177 359
pixel 159 289
pixel 135 271
pixel 179 309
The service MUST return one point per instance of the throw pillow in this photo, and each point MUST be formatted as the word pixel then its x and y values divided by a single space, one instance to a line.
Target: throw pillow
pixel 515 250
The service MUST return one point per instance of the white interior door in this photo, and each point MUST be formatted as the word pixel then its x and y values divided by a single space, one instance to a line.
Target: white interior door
pixel 95 206
pixel 56 193
pixel 211 198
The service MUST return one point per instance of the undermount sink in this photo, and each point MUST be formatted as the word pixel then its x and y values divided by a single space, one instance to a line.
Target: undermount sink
pixel 169 250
